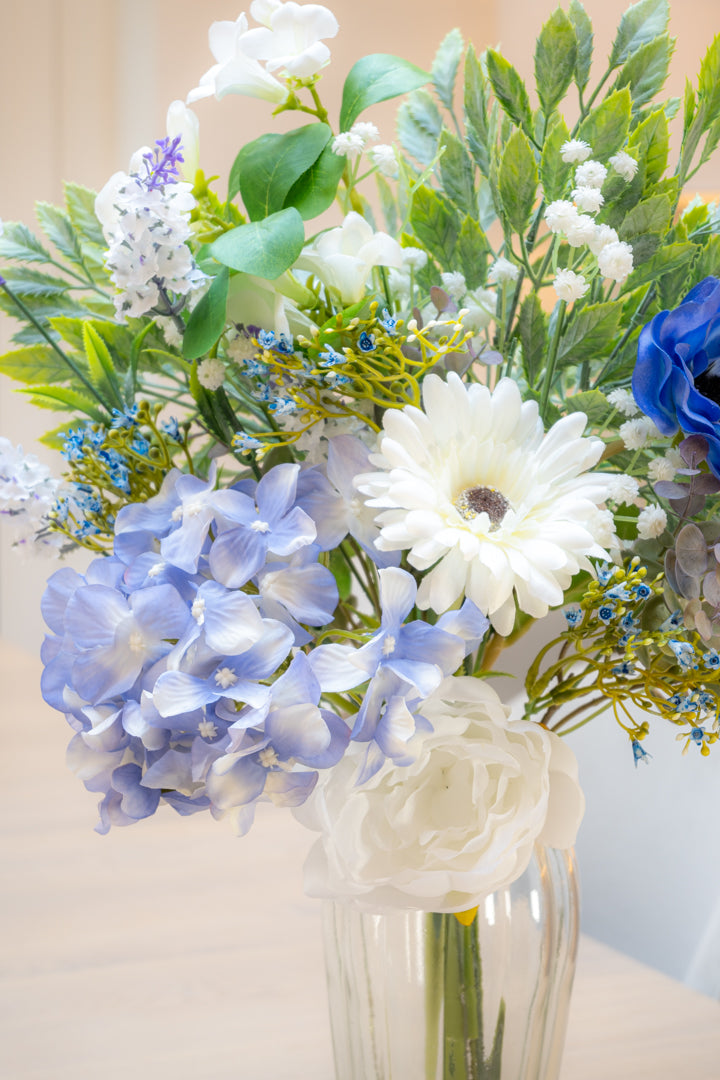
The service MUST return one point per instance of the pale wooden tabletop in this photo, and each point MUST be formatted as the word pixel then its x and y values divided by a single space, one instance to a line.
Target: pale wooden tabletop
pixel 172 951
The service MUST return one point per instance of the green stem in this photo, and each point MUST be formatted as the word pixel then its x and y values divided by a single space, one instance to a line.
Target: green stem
pixel 552 358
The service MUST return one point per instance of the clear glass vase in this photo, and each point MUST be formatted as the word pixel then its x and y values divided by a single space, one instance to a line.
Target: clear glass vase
pixel 416 996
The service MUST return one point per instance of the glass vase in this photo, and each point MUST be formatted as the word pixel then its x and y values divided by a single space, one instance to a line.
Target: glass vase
pixel 417 996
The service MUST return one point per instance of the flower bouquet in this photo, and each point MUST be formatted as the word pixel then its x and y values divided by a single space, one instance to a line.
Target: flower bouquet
pixel 328 470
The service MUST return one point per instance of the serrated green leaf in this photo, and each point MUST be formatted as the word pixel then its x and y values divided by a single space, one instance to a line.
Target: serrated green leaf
pixel 709 259
pixel 43 307
pixel 606 127
pixel 647 69
pixel 436 223
pixel 25 282
pixel 554 172
pixel 375 78
pixel 59 230
pixel 532 327
pixel 18 242
pixel 457 171
pixel 55 438
pixel 711 142
pixel 207 319
pixel 80 202
pixel 315 191
pixel 263 248
pixel 100 367
pixel 487 213
pixel 445 67
pixel 518 180
pixel 509 89
pixel 590 333
pixel 688 107
pixel 555 60
pixel 642 22
pixel 387 204
pixel 653 215
pixel 651 142
pixel 63 400
pixel 591 402
pixel 265 169
pixel 471 253
pixel 709 79
pixel 419 125
pixel 35 364
pixel 584 35
pixel 475 107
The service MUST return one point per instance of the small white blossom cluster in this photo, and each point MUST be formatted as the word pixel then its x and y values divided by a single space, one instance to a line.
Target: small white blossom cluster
pixel 353 143
pixel 664 468
pixel 27 494
pixel 623 401
pixel 211 373
pixel 502 271
pixel 651 522
pixel 147 225
pixel 638 433
pixel 478 306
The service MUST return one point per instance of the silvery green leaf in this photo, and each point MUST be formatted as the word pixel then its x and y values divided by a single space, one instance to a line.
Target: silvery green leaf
pixel 375 78
pixel 419 125
pixel 456 171
pixel 555 60
pixel 264 248
pixel 58 228
pixel 17 242
pixel 642 22
pixel 445 67
pixel 691 550
pixel 265 169
pixel 476 120
pixel 584 35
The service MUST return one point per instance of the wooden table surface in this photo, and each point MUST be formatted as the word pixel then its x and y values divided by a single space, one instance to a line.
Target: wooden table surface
pixel 173 951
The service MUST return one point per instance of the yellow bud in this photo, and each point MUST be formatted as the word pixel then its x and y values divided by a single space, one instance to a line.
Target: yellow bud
pixel 466 917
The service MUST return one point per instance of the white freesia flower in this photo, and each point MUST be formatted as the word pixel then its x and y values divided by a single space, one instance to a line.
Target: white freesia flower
pixel 236 71
pixel 651 522
pixel 342 258
pixel 624 165
pixel 570 286
pixel 473 485
pixel 291 38
pixel 575 150
pixel 458 823
pixel 616 260
pixel 184 122
pixel 271 305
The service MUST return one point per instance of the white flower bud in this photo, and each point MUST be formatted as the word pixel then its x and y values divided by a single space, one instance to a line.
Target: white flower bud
pixel 575 150
pixel 570 286
pixel 616 260
pixel 624 165
pixel 590 174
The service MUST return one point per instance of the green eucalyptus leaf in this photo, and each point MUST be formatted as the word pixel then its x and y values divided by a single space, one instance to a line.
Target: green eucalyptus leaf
pixel 375 78
pixel 642 22
pixel 265 169
pixel 315 191
pixel 207 319
pixel 584 35
pixel 518 180
pixel 555 60
pixel 606 127
pixel 456 171
pixel 264 248
pixel 80 202
pixel 532 327
pixel 509 89
pixel 445 67
pixel 554 172
pixel 589 334
pixel 18 242
pixel 419 125
pixel 471 253
pixel 436 224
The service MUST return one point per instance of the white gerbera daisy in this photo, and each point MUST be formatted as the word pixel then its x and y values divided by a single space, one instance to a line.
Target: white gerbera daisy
pixel 474 489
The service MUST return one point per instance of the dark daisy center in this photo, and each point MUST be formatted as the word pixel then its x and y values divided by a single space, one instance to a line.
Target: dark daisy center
pixel 482 500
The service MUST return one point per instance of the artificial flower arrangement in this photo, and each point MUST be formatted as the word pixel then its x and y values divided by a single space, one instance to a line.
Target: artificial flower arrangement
pixel 328 476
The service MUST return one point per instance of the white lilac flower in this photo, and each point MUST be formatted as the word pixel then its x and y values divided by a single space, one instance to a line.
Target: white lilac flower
pixel 623 400
pixel 347 144
pixel 574 151
pixel 383 158
pixel 414 258
pixel 503 270
pixel 590 174
pixel 651 522
pixel 236 71
pixel 560 215
pixel 480 308
pixel 604 235
pixel 473 488
pixel 637 433
pixel 616 260
pixel 342 258
pixel 184 123
pixel 475 765
pixel 290 39
pixel 454 284
pixel 211 373
pixel 589 199
pixel 661 468
pixel 622 488
pixel 570 286
pixel 581 231
pixel 624 165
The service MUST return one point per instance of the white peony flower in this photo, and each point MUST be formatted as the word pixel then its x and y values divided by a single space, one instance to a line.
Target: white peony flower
pixel 590 174
pixel 589 199
pixel 291 38
pixel 503 270
pixel 211 373
pixel 623 400
pixel 454 284
pixel 616 260
pixel 236 71
pixel 183 122
pixel 383 157
pixel 575 150
pixel 622 488
pixel 342 258
pixel 651 522
pixel 473 488
pixel 604 235
pixel 560 215
pixel 570 286
pixel 624 165
pixel 458 823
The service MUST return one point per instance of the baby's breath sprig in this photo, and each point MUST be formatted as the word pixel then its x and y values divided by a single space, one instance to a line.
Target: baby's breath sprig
pixel 616 650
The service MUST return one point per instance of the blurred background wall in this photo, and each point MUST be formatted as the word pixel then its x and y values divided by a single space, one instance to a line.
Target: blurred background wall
pixel 83 83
